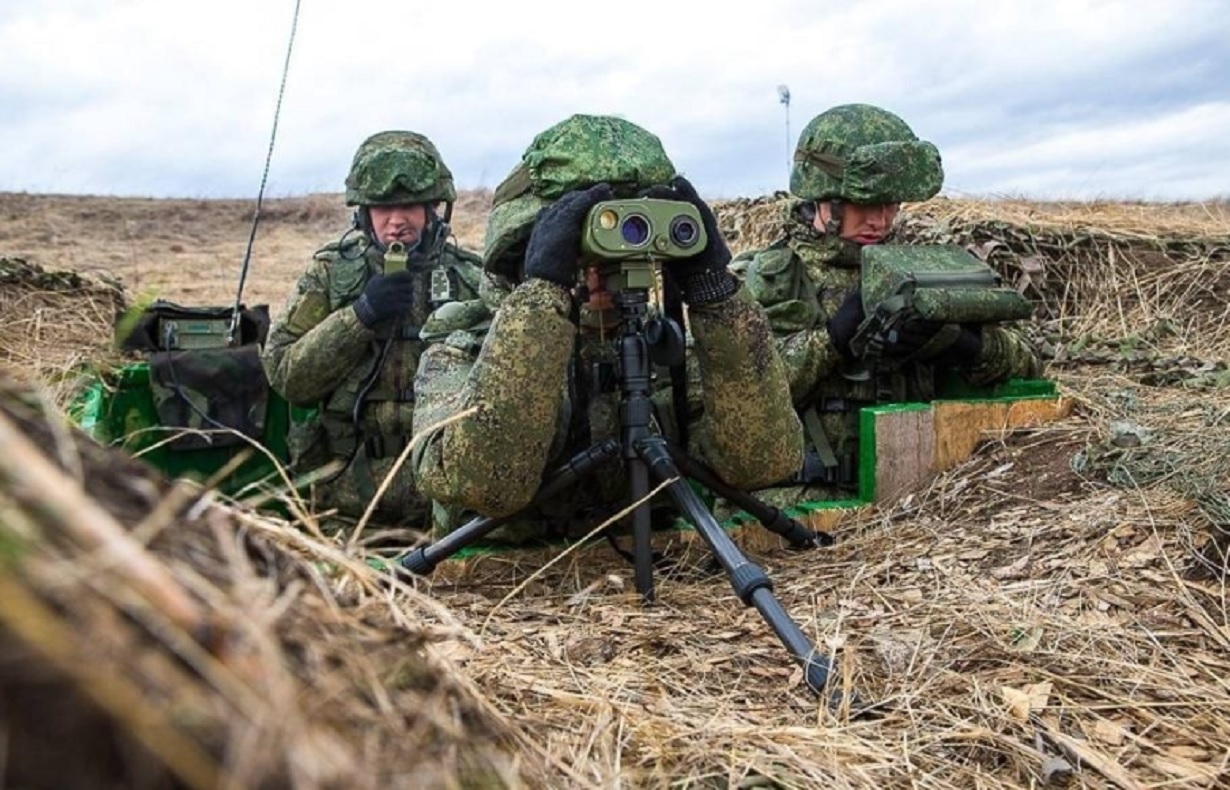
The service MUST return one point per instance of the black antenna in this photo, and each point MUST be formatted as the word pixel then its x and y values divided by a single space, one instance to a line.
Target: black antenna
pixel 233 332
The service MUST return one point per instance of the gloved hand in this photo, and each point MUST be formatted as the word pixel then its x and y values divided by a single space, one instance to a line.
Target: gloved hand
pixel 703 278
pixel 555 241
pixel 909 336
pixel 844 323
pixel 964 352
pixel 386 296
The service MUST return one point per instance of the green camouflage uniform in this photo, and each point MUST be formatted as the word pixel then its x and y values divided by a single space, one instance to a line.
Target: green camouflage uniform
pixel 319 354
pixel 544 389
pixel 803 277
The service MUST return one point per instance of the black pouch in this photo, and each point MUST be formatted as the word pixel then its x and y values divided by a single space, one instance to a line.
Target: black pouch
pixel 220 392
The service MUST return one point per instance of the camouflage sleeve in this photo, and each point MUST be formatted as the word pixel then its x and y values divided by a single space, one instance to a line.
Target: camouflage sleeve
pixel 799 323
pixel 1006 354
pixel 309 349
pixel 750 432
pixel 809 356
pixel 492 461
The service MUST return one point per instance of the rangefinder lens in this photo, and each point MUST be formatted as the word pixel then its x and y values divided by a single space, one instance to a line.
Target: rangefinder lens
pixel 684 231
pixel 635 230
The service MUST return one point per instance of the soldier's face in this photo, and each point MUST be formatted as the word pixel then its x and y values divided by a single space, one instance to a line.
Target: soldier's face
pixel 404 223
pixel 861 223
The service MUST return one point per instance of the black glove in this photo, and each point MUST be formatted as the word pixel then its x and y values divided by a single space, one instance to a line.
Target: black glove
pixel 909 336
pixel 844 323
pixel 964 352
pixel 555 242
pixel 386 296
pixel 702 279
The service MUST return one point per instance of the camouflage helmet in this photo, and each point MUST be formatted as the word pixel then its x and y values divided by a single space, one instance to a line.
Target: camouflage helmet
pixel 396 168
pixel 864 154
pixel 574 154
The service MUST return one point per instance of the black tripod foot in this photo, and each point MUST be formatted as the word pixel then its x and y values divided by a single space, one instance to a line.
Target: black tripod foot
pixel 417 562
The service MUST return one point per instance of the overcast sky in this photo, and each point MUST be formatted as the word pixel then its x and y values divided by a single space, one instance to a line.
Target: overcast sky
pixel 1037 98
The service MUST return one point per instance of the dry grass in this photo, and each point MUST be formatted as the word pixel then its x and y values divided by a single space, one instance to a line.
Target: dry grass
pixel 1054 610
pixel 190 251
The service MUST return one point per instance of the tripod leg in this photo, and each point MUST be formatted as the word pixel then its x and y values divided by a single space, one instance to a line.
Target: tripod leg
pixel 642 528
pixel 424 559
pixel 750 583
pixel 771 518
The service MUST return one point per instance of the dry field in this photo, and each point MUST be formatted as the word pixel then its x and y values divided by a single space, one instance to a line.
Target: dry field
pixel 1053 612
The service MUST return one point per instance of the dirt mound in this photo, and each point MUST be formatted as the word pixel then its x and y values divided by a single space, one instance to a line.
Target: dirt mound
pixel 165 635
pixel 55 322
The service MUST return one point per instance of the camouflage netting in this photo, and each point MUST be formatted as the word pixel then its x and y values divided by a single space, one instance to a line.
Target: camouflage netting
pixel 54 322
pixel 1142 287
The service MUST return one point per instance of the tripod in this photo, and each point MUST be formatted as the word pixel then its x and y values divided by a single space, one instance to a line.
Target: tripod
pixel 644 453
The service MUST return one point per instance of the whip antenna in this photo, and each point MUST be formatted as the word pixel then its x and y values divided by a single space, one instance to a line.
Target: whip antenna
pixel 783 96
pixel 260 195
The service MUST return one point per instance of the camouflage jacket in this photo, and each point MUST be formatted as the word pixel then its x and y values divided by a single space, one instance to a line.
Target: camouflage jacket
pixel 801 279
pixel 319 354
pixel 522 375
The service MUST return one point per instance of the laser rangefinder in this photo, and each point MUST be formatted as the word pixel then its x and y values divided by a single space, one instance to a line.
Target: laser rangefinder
pixel 644 229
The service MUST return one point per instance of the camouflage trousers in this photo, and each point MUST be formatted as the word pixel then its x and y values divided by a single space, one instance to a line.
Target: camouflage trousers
pixel 349 495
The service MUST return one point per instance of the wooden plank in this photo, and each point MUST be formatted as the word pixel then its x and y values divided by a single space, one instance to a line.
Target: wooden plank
pixel 905 450
pixel 960 426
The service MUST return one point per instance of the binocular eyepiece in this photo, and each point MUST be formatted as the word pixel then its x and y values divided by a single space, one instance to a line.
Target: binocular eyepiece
pixel 643 228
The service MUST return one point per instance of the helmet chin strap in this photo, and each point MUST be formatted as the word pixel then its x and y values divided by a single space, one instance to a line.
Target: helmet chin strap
pixel 832 225
pixel 849 253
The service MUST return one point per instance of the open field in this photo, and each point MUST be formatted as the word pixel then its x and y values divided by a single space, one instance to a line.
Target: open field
pixel 1052 612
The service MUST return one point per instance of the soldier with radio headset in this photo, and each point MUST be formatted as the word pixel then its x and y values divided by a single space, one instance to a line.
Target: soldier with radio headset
pixel 349 339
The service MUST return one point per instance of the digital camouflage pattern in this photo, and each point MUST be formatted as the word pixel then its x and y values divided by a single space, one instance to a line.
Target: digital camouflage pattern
pixel 864 154
pixel 319 354
pixel 398 168
pixel 801 280
pixel 516 375
pixel 576 153
pixel 938 283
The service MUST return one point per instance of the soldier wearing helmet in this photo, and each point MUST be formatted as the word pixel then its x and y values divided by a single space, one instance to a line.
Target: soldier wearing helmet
pixel 540 376
pixel 854 166
pixel 349 339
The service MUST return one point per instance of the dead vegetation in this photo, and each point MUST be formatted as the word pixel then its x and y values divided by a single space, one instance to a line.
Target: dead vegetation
pixel 1051 612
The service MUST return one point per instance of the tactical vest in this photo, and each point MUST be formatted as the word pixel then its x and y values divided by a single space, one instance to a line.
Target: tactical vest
pixel 369 416
pixel 800 286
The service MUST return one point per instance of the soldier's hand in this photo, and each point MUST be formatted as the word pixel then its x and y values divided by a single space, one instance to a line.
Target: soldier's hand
pixel 555 242
pixel 964 352
pixel 844 323
pixel 386 296
pixel 702 278
pixel 909 336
